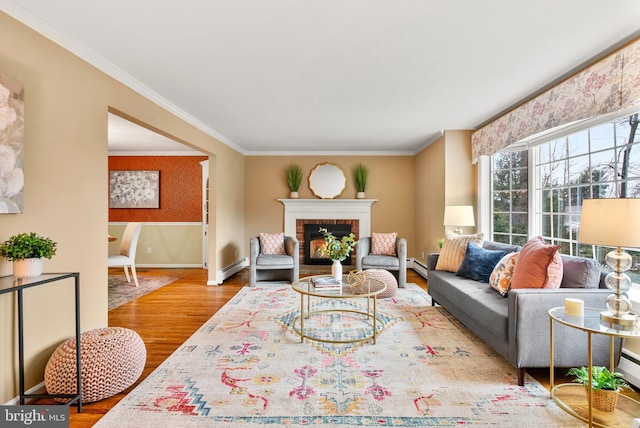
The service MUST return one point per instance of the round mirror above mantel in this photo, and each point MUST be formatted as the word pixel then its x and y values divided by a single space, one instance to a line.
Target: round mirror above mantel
pixel 327 180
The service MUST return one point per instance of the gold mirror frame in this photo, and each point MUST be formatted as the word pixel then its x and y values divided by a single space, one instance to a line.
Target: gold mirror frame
pixel 327 180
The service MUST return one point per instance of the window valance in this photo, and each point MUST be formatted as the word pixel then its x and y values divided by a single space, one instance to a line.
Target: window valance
pixel 612 84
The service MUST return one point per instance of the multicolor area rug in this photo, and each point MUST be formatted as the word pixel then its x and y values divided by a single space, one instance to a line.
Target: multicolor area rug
pixel 245 367
pixel 121 291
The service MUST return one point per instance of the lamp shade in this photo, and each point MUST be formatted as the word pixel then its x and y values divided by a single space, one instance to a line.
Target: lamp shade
pixel 610 222
pixel 459 215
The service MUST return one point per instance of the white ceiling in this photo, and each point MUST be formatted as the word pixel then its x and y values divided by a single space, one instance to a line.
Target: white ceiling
pixel 333 76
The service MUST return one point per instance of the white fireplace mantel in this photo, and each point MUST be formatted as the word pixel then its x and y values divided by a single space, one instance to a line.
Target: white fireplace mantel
pixel 329 209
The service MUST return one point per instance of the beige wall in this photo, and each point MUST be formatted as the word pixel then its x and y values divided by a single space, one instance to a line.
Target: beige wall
pixel 65 164
pixel 429 196
pixel 172 244
pixel 391 181
pixel 445 176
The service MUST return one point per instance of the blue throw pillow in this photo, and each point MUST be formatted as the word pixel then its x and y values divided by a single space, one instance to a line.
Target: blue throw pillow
pixel 478 263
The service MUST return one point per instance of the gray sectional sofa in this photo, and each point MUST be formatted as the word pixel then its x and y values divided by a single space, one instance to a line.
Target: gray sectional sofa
pixel 517 326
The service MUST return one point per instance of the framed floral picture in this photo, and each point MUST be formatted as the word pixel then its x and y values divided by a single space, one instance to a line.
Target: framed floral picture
pixel 134 189
pixel 11 145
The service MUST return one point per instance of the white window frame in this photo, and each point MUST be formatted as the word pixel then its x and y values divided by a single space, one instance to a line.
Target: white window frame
pixel 485 217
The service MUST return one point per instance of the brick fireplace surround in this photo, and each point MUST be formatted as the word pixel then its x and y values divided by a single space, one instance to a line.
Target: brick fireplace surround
pixel 297 212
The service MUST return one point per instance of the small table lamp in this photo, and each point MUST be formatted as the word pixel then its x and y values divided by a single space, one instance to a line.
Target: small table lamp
pixel 459 215
pixel 613 223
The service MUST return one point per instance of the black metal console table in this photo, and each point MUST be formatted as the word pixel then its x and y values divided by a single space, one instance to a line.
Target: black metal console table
pixel 11 284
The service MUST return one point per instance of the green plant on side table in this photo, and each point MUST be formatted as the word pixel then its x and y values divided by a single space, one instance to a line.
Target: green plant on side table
pixel 26 251
pixel 294 179
pixel 606 385
pixel 360 173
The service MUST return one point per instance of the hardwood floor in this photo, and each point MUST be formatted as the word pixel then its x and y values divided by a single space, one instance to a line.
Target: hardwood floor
pixel 167 317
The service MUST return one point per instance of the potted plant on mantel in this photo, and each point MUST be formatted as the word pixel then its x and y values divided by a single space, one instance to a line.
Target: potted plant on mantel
pixel 605 385
pixel 360 173
pixel 26 251
pixel 337 250
pixel 294 179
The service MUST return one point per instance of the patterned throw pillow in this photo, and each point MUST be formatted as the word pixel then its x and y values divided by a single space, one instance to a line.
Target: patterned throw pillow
pixel 539 266
pixel 383 244
pixel 500 279
pixel 453 250
pixel 272 243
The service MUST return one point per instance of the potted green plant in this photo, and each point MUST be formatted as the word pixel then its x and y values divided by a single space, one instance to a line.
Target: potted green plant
pixel 336 250
pixel 360 173
pixel 294 179
pixel 605 385
pixel 26 251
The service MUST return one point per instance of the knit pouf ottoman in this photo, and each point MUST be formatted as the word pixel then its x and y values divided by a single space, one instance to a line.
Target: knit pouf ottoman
pixel 112 360
pixel 386 277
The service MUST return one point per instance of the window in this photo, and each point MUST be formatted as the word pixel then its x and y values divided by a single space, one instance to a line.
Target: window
pixel 509 193
pixel 602 161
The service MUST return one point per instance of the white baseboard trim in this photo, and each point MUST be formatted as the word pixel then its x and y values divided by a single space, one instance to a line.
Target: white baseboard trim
pixel 38 389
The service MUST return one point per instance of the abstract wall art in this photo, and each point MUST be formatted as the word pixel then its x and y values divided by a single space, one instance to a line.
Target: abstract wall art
pixel 11 145
pixel 134 189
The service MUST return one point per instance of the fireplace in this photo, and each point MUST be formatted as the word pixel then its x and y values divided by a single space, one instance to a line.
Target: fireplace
pixel 314 241
pixel 298 212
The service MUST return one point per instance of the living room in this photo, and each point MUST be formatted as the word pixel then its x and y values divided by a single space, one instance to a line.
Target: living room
pixel 66 162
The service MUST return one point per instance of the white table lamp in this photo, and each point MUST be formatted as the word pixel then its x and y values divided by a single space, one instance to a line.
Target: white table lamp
pixel 459 215
pixel 613 223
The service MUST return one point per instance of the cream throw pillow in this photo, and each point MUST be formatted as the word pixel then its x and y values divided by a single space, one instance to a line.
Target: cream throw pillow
pixel 454 248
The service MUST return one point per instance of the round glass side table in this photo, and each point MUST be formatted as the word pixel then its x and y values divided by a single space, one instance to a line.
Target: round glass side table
pixel 574 398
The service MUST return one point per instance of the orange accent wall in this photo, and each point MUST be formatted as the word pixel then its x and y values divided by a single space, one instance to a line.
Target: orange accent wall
pixel 180 188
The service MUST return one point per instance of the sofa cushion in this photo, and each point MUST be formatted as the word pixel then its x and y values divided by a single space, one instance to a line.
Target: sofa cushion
pixel 453 250
pixel 478 263
pixel 579 272
pixel 383 244
pixel 272 243
pixel 500 278
pixel 382 262
pixel 539 266
pixel 488 309
pixel 274 261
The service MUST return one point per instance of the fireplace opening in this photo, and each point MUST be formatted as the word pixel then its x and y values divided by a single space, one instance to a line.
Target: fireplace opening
pixel 314 241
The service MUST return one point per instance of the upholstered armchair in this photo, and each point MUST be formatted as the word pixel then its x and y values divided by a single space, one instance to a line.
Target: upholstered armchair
pixel 274 267
pixel 397 264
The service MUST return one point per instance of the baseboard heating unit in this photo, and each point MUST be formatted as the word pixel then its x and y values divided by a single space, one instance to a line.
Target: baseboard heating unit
pixel 231 269
pixel 629 366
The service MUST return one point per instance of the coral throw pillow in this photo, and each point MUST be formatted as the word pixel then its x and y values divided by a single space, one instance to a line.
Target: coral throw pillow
pixel 272 243
pixel 539 266
pixel 454 249
pixel 383 244
pixel 500 278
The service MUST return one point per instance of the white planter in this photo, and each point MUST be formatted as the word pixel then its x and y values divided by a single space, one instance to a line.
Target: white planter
pixel 336 270
pixel 27 268
pixel 293 195
pixel 360 195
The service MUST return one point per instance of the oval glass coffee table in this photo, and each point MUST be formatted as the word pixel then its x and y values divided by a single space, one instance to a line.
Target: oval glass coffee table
pixel 346 314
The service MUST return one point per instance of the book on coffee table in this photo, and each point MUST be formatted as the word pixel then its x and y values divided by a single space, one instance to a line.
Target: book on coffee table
pixel 326 282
